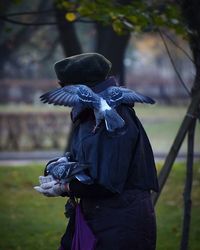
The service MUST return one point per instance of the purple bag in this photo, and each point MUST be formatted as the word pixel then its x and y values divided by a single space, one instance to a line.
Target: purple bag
pixel 84 238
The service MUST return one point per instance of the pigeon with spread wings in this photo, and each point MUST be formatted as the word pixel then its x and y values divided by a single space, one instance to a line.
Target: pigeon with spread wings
pixel 103 103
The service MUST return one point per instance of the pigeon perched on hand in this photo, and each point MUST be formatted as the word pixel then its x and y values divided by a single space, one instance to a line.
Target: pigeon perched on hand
pixel 64 170
pixel 104 103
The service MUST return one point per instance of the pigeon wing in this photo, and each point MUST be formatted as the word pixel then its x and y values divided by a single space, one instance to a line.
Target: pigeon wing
pixel 118 95
pixel 72 95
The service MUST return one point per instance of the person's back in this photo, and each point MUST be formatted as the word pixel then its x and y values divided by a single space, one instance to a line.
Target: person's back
pixel 117 203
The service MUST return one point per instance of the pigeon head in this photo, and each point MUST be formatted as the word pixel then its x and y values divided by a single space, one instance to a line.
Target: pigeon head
pixel 87 68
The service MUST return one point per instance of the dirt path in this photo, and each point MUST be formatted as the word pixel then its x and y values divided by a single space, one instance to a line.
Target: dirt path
pixel 41 157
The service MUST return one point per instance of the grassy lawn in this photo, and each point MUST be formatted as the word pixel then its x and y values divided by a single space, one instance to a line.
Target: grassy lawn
pixel 30 221
pixel 169 210
pixel 162 123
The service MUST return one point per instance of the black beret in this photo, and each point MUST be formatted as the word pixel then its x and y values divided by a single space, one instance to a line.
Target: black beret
pixel 86 68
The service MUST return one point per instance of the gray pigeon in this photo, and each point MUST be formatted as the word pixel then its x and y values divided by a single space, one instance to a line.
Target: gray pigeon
pixel 104 103
pixel 64 170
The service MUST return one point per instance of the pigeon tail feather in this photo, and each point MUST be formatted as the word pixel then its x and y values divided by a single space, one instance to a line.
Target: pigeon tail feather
pixel 113 120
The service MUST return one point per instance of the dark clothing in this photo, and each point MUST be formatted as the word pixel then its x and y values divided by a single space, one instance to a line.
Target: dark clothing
pixel 79 189
pixel 117 206
pixel 123 222
pixel 119 161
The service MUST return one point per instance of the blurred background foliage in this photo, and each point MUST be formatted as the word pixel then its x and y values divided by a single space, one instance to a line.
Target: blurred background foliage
pixel 34 35
pixel 141 39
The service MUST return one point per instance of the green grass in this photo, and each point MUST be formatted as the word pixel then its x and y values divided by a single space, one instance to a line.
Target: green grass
pixel 162 123
pixel 169 210
pixel 29 220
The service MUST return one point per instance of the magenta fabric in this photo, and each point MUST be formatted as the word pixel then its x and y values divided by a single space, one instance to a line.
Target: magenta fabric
pixel 84 238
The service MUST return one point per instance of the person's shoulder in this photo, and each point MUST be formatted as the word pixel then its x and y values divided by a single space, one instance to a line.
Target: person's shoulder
pixel 126 111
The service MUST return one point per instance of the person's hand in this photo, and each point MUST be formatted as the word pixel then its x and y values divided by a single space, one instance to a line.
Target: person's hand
pixel 50 187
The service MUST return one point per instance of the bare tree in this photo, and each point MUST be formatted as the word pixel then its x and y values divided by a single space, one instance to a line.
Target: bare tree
pixel 190 10
pixel 11 44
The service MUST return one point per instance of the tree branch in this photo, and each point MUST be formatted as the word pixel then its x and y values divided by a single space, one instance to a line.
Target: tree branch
pixel 179 47
pixel 26 24
pixel 191 114
pixel 6 18
pixel 37 12
pixel 173 64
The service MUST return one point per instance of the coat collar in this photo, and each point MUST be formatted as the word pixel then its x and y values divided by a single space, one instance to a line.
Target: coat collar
pixel 99 87
pixel 77 112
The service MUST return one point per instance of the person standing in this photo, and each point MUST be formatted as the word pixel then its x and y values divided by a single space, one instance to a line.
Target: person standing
pixel 117 204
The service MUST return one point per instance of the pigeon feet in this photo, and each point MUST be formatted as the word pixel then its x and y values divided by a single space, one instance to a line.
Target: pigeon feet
pixel 94 129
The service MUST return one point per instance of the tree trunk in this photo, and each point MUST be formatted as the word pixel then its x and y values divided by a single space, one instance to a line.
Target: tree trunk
pixel 67 34
pixel 188 188
pixel 108 43
pixel 187 121
pixel 191 10
pixel 12 44
pixel 190 13
pixel 4 6
pixel 71 46
pixel 113 47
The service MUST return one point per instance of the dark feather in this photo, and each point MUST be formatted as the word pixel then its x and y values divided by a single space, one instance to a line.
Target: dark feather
pixel 118 95
pixel 72 95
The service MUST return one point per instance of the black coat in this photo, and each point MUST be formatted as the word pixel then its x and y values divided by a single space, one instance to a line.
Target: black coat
pixel 119 161
pixel 117 206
